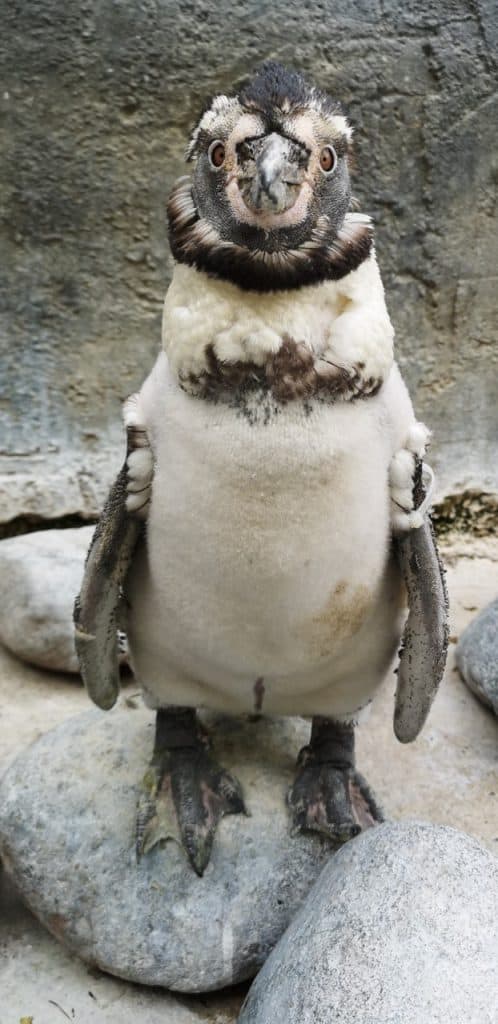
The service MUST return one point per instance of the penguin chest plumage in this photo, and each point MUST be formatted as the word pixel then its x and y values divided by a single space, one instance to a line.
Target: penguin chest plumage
pixel 265 577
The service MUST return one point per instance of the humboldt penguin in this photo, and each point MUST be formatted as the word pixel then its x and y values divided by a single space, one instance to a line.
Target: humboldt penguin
pixel 270 526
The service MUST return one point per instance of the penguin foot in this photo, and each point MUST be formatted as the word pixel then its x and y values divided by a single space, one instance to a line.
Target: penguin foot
pixel 185 792
pixel 328 795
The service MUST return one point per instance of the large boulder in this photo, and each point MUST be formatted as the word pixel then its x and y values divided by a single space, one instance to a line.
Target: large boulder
pixel 67 824
pixel 477 656
pixel 40 576
pixel 42 984
pixel 401 927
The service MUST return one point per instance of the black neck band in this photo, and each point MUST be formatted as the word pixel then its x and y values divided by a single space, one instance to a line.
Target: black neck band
pixel 320 257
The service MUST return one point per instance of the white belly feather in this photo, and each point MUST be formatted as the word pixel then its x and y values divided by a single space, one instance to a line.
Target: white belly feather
pixel 266 577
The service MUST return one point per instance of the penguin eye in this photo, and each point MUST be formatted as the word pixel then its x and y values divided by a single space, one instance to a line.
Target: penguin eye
pixel 328 159
pixel 216 154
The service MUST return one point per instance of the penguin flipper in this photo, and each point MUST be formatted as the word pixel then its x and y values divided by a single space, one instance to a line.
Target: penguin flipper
pixel 425 639
pixel 96 609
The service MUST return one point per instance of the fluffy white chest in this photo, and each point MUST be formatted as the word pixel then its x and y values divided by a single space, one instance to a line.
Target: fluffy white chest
pixel 240 327
pixel 267 546
pixel 344 323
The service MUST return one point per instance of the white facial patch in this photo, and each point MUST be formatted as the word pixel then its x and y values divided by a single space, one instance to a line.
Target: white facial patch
pixel 220 119
pixel 315 130
pixel 246 127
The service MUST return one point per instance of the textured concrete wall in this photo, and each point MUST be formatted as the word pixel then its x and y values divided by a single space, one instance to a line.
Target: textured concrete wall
pixel 96 101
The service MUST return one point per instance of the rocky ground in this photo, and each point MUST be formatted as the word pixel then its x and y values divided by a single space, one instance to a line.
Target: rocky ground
pixel 450 775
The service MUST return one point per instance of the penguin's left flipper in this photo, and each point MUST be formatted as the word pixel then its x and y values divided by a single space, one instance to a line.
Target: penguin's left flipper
pixel 425 639
pixel 97 607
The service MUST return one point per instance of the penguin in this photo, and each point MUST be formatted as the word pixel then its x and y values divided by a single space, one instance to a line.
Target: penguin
pixel 269 535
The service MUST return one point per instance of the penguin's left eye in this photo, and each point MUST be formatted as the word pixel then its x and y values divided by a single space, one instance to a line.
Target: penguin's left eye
pixel 328 159
pixel 216 154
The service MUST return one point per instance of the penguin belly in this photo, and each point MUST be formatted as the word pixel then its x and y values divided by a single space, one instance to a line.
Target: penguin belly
pixel 265 582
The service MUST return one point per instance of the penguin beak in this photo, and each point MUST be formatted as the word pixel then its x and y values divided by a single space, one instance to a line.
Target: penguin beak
pixel 276 178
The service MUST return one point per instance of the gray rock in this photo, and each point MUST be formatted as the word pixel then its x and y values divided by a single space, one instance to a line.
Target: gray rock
pixel 477 656
pixel 401 927
pixel 40 576
pixel 103 95
pixel 67 820
pixel 40 981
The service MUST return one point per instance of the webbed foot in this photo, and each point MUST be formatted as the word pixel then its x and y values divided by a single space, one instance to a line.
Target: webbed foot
pixel 185 792
pixel 328 795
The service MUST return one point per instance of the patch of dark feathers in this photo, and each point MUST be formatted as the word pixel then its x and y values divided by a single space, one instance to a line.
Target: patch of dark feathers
pixel 418 489
pixel 274 86
pixel 244 269
pixel 255 270
pixel 292 373
pixel 343 148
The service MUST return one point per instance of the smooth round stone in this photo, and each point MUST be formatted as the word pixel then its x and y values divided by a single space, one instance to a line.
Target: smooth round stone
pixel 67 823
pixel 477 656
pixel 40 576
pixel 401 927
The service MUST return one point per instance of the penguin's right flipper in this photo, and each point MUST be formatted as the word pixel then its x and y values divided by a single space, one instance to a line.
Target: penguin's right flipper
pixel 96 610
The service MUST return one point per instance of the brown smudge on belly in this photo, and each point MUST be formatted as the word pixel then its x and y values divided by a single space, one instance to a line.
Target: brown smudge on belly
pixel 341 617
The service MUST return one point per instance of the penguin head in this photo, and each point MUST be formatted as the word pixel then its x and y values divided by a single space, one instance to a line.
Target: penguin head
pixel 267 206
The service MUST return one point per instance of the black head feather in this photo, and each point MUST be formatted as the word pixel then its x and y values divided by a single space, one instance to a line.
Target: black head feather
pixel 276 88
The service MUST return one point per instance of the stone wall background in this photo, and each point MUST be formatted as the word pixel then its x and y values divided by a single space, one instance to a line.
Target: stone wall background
pixel 96 101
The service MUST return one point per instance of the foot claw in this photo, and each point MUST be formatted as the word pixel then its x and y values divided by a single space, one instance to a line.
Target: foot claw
pixel 204 794
pixel 198 843
pixel 156 816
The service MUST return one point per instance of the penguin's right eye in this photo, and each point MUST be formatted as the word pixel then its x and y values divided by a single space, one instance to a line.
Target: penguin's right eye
pixel 328 159
pixel 216 154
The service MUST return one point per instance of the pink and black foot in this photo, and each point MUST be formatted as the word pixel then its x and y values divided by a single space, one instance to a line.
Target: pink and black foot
pixel 185 792
pixel 328 795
